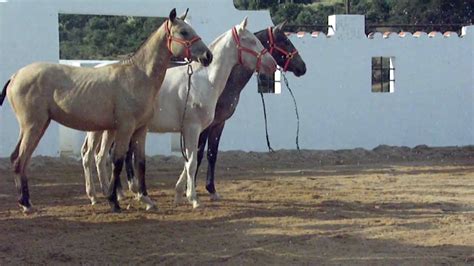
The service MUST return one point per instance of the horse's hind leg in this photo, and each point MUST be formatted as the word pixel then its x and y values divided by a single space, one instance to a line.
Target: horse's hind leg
pixel 102 157
pixel 200 153
pixel 212 150
pixel 87 153
pixel 15 152
pixel 32 133
pixel 138 147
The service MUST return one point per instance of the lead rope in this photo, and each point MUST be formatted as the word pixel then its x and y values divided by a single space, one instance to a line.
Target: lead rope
pixel 296 111
pixel 270 149
pixel 182 141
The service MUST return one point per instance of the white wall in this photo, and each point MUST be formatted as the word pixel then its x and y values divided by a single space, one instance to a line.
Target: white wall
pixel 433 102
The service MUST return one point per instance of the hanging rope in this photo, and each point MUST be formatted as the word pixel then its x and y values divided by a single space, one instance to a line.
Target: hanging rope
pixel 182 141
pixel 296 111
pixel 270 149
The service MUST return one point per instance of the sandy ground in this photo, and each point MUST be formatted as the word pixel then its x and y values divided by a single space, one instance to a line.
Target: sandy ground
pixel 387 206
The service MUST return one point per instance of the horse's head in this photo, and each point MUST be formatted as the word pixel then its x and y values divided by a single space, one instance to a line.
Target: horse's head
pixel 251 52
pixel 184 42
pixel 281 48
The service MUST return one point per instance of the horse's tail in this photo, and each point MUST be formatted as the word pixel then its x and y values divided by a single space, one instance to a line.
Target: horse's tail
pixel 4 92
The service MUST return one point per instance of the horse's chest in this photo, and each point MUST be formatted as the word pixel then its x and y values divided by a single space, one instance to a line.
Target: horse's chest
pixel 226 107
pixel 203 112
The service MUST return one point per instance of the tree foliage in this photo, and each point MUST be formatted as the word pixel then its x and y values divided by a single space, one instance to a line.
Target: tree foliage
pixel 102 37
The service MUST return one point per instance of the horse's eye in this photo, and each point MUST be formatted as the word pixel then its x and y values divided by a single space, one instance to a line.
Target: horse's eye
pixel 184 33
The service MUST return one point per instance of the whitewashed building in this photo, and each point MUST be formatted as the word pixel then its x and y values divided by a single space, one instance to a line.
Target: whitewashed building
pixel 429 100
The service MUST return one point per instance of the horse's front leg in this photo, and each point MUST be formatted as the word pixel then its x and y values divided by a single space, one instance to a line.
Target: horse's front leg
pixel 180 187
pixel 191 137
pixel 138 147
pixel 131 180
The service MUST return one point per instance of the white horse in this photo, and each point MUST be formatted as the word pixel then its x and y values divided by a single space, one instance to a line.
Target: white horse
pixel 236 46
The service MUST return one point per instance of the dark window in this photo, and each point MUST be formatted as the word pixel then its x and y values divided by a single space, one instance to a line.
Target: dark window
pixel 383 74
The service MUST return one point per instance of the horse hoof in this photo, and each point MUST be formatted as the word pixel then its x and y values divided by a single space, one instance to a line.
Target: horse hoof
pixel 120 195
pixel 116 210
pixel 25 206
pixel 133 186
pixel 147 201
pixel 150 207
pixel 114 207
pixel 195 204
pixel 27 210
pixel 93 201
pixel 215 197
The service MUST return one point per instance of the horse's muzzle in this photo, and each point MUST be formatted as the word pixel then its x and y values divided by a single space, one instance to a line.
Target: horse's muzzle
pixel 300 70
pixel 206 58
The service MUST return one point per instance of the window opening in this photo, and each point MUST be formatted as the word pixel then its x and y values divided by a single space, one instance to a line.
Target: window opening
pixel 383 74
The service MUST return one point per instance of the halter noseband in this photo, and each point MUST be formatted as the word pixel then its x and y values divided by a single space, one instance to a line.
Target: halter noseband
pixel 273 46
pixel 241 49
pixel 187 44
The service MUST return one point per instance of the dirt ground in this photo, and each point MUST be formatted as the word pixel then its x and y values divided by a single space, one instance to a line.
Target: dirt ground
pixel 387 206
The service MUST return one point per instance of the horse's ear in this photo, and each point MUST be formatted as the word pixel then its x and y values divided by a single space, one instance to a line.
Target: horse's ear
pixel 280 26
pixel 183 16
pixel 172 16
pixel 243 24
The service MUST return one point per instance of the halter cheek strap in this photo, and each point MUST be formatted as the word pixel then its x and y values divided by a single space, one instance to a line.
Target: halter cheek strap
pixel 273 46
pixel 241 49
pixel 187 44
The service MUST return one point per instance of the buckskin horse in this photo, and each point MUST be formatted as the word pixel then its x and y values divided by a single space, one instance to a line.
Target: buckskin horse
pixel 117 98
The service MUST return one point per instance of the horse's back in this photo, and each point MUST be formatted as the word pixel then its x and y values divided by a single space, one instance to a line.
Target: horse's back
pixel 77 97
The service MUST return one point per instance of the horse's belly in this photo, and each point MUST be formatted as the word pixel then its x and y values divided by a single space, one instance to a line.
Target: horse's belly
pixel 163 122
pixel 91 123
pixel 81 115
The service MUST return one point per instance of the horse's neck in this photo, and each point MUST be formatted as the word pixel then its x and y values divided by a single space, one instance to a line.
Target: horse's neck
pixel 262 36
pixel 153 57
pixel 225 58
pixel 238 78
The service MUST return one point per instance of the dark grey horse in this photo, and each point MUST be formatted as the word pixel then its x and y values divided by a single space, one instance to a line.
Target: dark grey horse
pixel 286 56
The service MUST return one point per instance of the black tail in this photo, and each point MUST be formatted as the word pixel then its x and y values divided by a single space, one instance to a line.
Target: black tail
pixel 4 92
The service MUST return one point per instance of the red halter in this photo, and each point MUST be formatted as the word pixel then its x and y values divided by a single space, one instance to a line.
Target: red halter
pixel 288 55
pixel 187 44
pixel 241 49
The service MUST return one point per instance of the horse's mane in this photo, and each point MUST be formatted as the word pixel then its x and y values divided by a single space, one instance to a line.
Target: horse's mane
pixel 216 41
pixel 128 58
